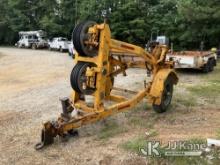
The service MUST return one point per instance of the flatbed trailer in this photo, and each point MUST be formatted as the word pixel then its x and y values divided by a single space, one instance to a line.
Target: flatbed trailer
pixel 201 60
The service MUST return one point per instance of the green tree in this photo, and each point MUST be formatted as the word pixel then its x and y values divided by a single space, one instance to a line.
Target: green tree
pixel 185 22
pixel 200 22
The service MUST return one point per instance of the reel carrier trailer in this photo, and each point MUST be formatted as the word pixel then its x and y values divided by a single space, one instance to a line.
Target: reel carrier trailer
pixel 98 60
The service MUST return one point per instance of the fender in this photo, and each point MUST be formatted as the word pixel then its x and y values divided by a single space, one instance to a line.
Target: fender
pixel 157 85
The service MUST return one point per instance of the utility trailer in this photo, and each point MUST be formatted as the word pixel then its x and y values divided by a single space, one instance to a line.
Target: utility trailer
pixel 201 60
pixel 32 39
pixel 98 62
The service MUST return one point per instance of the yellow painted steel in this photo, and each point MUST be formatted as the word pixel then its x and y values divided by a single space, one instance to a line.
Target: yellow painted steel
pixel 105 68
pixel 158 84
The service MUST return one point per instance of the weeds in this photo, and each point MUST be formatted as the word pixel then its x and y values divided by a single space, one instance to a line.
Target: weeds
pixel 209 91
pixel 186 100
pixel 110 129
pixel 135 145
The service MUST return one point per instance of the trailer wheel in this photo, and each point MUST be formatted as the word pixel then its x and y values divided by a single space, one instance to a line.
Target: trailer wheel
pixel 205 68
pixel 34 46
pixel 214 62
pixel 211 65
pixel 61 49
pixel 166 97
pixel 78 79
pixel 80 35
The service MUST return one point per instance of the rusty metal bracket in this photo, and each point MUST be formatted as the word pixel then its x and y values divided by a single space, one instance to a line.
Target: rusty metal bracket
pixel 47 136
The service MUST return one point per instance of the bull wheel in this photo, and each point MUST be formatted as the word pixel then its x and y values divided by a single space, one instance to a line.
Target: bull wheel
pixel 166 97
pixel 80 35
pixel 79 81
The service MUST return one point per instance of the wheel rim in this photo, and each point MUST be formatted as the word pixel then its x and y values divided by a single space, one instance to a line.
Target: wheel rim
pixel 167 96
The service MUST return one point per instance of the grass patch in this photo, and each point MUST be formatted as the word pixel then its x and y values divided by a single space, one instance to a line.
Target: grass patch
pixel 142 106
pixel 186 160
pixel 110 129
pixel 208 90
pixel 135 145
pixel 145 121
pixel 140 116
pixel 211 86
pixel 187 100
pixel 142 122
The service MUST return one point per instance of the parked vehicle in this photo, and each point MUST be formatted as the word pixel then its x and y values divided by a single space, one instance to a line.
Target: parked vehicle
pixel 202 60
pixel 59 43
pixel 71 50
pixel 32 39
pixel 163 40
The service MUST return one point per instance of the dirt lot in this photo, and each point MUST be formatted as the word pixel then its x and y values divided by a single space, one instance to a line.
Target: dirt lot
pixel 31 83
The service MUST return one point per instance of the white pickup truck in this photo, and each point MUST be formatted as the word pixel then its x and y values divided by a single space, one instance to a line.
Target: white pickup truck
pixel 59 43
pixel 202 60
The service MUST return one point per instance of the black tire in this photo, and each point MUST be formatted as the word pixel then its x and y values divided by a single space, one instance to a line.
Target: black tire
pixel 34 46
pixel 166 97
pixel 61 49
pixel 73 56
pixel 205 68
pixel 76 78
pixel 215 62
pixel 79 35
pixel 211 65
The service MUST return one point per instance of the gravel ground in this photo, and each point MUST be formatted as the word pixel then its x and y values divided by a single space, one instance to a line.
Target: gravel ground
pixel 31 83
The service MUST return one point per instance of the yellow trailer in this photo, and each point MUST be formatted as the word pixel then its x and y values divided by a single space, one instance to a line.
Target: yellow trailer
pixel 98 60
